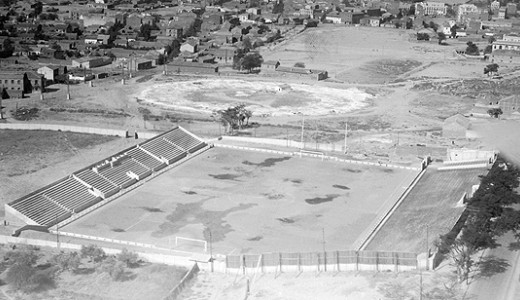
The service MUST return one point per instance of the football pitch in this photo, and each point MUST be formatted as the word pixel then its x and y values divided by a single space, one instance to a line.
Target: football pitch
pixel 250 202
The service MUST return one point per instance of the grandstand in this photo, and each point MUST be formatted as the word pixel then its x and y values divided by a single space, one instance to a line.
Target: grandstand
pixel 103 180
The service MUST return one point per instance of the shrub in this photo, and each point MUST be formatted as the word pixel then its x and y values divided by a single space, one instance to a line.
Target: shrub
pixel 66 261
pixel 93 252
pixel 131 259
pixel 114 268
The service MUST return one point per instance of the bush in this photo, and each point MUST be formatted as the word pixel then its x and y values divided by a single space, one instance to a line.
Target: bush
pixel 66 261
pixel 93 252
pixel 131 259
pixel 114 268
pixel 24 256
pixel 18 275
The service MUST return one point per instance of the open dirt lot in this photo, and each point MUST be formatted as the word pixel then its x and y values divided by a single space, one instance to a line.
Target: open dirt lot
pixel 251 202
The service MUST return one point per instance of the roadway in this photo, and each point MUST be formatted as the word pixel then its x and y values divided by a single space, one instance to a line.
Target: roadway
pixel 501 286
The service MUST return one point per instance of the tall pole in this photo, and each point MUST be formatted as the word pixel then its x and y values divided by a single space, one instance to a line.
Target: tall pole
pixel 210 249
pixel 427 248
pixel 303 125
pixel 1 109
pixel 316 135
pixel 346 133
pixel 68 88
pixel 324 252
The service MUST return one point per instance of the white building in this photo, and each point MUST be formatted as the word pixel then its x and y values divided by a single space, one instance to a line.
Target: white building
pixel 464 10
pixel 430 8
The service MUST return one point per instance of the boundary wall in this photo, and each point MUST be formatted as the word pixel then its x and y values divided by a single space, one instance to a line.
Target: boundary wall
pixel 80 129
pixel 326 157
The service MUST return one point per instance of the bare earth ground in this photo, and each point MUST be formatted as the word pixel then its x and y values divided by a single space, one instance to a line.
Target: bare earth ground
pixel 432 205
pixel 252 202
pixel 423 83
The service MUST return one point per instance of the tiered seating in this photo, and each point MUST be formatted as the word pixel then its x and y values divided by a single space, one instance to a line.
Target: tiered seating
pixel 99 183
pixel 145 159
pixel 161 148
pixel 118 174
pixel 72 194
pixel 41 210
pixel 183 140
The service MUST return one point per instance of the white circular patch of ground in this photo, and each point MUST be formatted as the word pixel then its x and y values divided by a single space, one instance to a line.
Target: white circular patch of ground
pixel 263 98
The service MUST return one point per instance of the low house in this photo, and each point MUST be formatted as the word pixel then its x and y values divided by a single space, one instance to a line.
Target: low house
pixel 49 72
pixel 455 127
pixel 179 67
pixel 314 74
pixel 189 46
pixel 270 65
pixel 222 55
pixel 91 62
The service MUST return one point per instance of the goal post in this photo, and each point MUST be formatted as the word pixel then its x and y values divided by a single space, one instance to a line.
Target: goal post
pixel 189 242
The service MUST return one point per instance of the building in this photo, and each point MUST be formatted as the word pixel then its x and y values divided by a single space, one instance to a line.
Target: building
pixel 494 6
pixel 511 10
pixel 49 72
pixel 466 10
pixel 314 74
pixel 455 127
pixel 179 67
pixel 508 42
pixel 430 8
pixel 90 62
pixel 189 46
pixel 270 65
pixel 14 84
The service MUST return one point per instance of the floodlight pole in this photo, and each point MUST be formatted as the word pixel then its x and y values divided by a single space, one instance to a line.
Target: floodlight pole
pixel 324 251
pixel 210 250
pixel 427 248
pixel 303 124
pixel 346 132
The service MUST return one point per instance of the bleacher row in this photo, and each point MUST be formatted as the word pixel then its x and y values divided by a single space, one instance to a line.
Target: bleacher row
pixel 89 186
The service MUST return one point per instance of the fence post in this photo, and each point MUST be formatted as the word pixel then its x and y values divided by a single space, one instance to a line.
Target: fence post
pixel 357 260
pixel 243 263
pixel 377 261
pixel 396 260
pixel 337 261
pixel 280 261
pixel 299 262
pixel 318 261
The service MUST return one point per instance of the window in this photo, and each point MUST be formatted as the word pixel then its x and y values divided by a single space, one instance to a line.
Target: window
pixel 18 81
pixel 36 82
pixel 12 81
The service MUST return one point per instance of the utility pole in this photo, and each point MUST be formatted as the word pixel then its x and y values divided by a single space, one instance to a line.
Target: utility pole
pixel 68 87
pixel 1 109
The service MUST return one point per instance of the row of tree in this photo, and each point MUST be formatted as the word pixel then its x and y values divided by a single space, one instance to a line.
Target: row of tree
pixel 235 117
pixel 489 215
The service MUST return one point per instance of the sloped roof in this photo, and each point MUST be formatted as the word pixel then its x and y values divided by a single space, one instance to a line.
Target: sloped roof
pixel 459 120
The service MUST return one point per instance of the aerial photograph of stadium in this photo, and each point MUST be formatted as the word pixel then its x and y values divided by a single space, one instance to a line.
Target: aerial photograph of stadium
pixel 260 149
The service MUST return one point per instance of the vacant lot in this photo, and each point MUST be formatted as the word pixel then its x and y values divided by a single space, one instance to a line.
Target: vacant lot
pixel 251 202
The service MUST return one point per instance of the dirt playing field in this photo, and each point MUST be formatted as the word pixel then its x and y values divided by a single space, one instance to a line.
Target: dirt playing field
pixel 251 202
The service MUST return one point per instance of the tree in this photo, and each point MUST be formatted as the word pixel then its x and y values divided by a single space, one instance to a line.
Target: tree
pixel 453 31
pixel 7 48
pixel 472 49
pixel 18 275
pixel 246 44
pixel 434 26
pixel 235 117
pixel 93 252
pixel 299 65
pixel 278 7
pixel 441 36
pixel 495 112
pixel 252 61
pixel 490 69
pixel 423 36
pixel 409 23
